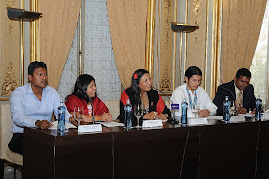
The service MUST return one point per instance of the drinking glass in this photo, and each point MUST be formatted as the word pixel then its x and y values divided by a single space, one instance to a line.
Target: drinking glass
pixel 78 114
pixel 138 112
pixel 195 110
pixel 264 106
pixel 232 109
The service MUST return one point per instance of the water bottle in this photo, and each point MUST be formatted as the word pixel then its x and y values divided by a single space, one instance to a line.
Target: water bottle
pixel 226 109
pixel 61 118
pixel 258 108
pixel 128 117
pixel 184 112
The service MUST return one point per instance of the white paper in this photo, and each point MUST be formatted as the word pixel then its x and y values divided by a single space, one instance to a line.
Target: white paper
pixel 240 118
pixel 89 128
pixel 247 115
pixel 265 116
pixel 67 125
pixel 197 121
pixel 215 117
pixel 112 124
pixel 152 123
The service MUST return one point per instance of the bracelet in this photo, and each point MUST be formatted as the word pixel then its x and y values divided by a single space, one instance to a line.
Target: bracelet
pixel 98 117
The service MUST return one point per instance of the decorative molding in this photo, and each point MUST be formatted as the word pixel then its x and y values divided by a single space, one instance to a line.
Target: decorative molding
pixel 168 6
pixel 10 3
pixel 10 30
pixel 197 10
pixel 165 82
pixel 10 81
pixel 150 40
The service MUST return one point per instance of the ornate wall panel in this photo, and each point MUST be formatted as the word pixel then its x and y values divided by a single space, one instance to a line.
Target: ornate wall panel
pixel 10 50
pixel 197 41
pixel 166 37
pixel 174 55
pixel 163 45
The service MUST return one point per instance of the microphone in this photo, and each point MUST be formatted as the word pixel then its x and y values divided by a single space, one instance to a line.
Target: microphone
pixel 228 91
pixel 170 120
pixel 166 95
pixel 93 120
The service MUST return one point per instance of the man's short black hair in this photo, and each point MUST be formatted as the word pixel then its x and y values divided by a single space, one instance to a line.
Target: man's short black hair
pixel 243 72
pixel 32 66
pixel 193 70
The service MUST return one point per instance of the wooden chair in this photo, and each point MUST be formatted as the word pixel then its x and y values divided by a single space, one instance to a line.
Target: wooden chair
pixel 5 137
pixel 114 108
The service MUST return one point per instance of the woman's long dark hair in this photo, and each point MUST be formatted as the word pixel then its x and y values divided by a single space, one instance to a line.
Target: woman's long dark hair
pixel 81 85
pixel 134 89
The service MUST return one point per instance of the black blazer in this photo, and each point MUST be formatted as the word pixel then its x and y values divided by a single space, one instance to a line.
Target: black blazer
pixel 153 97
pixel 228 89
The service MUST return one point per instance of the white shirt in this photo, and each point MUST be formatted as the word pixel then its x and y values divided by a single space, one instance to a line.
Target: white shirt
pixel 26 108
pixel 203 100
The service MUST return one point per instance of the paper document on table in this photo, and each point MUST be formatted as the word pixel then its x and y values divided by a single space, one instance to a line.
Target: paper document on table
pixel 247 115
pixel 215 117
pixel 112 124
pixel 67 125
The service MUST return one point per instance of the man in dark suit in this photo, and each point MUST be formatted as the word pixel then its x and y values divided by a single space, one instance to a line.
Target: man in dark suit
pixel 239 91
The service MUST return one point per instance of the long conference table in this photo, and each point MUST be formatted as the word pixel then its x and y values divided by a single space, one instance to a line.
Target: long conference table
pixel 213 151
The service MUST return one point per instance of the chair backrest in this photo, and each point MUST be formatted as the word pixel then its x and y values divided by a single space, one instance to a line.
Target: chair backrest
pixel 167 103
pixel 6 135
pixel 5 126
pixel 114 108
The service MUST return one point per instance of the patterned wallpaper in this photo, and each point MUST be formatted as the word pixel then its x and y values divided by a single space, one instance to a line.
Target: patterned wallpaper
pixel 99 57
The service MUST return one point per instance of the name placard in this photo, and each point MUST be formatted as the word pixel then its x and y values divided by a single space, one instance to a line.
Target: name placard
pixel 237 118
pixel 198 121
pixel 174 106
pixel 92 128
pixel 152 123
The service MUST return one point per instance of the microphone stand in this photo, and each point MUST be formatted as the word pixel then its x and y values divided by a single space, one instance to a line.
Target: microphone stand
pixel 93 120
pixel 172 119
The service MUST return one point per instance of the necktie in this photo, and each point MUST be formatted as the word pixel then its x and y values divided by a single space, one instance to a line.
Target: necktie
pixel 238 102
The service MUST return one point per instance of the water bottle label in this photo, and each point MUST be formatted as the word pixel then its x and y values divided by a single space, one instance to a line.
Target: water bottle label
pixel 128 118
pixel 258 103
pixel 226 110
pixel 128 108
pixel 184 108
pixel 61 123
pixel 62 117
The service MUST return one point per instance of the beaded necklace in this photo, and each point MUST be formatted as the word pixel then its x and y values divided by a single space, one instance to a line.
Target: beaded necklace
pixel 190 99
pixel 144 106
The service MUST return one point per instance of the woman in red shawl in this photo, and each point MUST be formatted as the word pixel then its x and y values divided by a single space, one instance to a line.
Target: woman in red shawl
pixel 84 93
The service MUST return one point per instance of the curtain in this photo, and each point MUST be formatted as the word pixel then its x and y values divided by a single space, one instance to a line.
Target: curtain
pixel 127 21
pixel 57 29
pixel 242 22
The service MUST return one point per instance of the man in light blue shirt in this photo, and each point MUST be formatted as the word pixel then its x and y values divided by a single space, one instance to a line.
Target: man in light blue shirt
pixel 33 104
